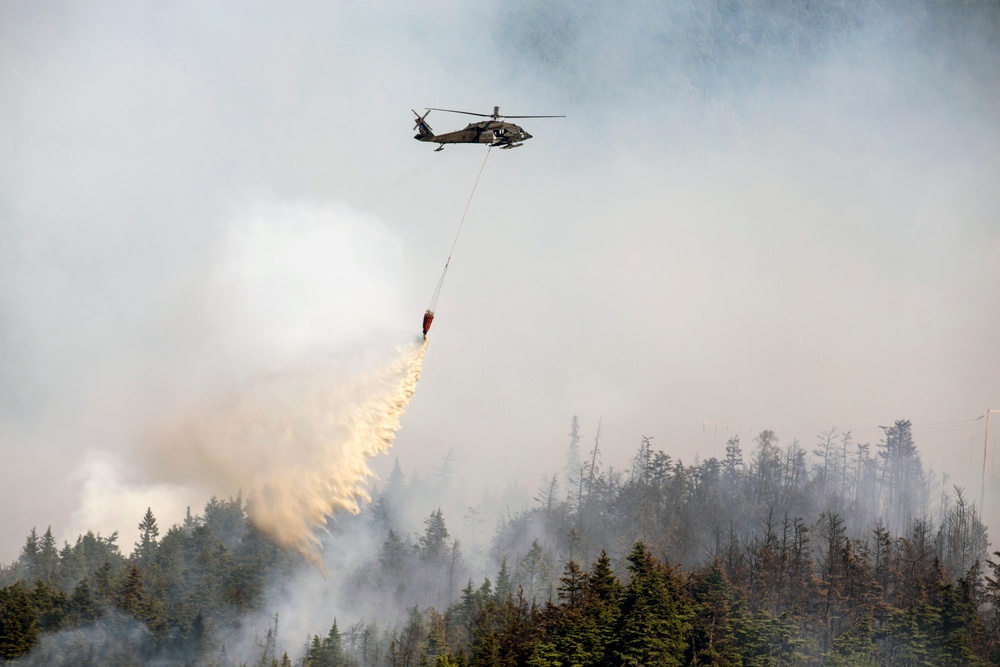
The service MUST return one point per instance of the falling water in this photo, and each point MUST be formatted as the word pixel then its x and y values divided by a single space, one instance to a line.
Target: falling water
pixel 298 442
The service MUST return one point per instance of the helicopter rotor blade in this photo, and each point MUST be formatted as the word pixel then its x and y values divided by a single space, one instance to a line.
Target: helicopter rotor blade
pixel 468 113
pixel 490 115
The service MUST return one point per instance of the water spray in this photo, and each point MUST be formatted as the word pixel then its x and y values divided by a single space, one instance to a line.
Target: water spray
pixel 300 440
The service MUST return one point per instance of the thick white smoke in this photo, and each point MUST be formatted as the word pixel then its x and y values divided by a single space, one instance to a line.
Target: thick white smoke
pixel 298 374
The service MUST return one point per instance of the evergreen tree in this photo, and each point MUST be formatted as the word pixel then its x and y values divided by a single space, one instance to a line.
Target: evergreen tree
pixel 733 462
pixel 50 605
pixel 504 587
pixel 712 640
pixel 962 629
pixel 28 562
pixel 82 607
pixel 533 571
pixel 19 626
pixel 395 487
pixel 191 522
pixel 573 585
pixel 962 536
pixel 603 605
pixel 901 476
pixel 227 520
pixel 473 614
pixel 131 598
pixel 333 645
pixel 486 651
pixel 855 647
pixel 433 544
pixel 315 656
pixel 145 548
pixel 104 585
pixel 328 651
pixel 572 636
pixel 47 565
pixel 766 470
pixel 655 623
pixel 991 595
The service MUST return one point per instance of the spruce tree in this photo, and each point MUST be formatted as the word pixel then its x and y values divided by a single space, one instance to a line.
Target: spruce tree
pixel 145 548
pixel 433 543
pixel 28 562
pixel 655 623
pixel 82 607
pixel 855 647
pixel 504 587
pixel 603 605
pixel 47 565
pixel 19 626
pixel 131 599
pixel 712 640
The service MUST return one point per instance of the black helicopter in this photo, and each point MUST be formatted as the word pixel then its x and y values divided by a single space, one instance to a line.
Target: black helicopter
pixel 493 132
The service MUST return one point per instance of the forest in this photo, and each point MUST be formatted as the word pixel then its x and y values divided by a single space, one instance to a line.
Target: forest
pixel 845 554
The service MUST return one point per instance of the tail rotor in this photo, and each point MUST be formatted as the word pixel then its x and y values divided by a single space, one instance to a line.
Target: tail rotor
pixel 421 126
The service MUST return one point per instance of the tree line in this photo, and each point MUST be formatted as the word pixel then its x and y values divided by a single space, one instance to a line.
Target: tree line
pixel 658 614
pixel 844 555
pixel 166 600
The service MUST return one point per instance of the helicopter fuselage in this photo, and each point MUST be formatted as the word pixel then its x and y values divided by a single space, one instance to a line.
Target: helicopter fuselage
pixel 491 132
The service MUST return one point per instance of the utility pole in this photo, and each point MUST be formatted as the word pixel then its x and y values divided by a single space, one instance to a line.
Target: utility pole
pixel 986 450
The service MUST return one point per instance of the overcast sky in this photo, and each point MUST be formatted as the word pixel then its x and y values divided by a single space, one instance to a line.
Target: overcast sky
pixel 784 219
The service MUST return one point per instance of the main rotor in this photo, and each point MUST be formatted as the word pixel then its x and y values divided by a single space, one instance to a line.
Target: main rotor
pixel 496 115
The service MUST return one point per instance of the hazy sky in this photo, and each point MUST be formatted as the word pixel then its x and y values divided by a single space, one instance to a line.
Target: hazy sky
pixel 766 218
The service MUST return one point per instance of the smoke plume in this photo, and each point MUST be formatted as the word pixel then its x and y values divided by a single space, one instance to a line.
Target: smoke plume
pixel 298 441
pixel 297 373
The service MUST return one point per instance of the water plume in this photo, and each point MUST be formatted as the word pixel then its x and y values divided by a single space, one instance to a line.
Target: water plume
pixel 298 441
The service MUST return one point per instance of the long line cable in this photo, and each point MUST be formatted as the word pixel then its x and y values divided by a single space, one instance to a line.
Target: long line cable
pixel 437 290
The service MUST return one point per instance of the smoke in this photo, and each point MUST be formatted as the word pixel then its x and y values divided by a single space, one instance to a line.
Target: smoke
pixel 298 440
pixel 270 361
pixel 293 376
pixel 110 499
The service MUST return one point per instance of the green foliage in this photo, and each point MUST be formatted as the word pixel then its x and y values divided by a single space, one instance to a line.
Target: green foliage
pixel 655 623
pixel 534 572
pixel 82 605
pixel 145 548
pixel 226 520
pixel 856 647
pixel 50 604
pixel 19 625
pixel 712 640
pixel 504 587
pixel 433 544
pixel 169 598
pixel 766 640
pixel 327 651
pixel 776 589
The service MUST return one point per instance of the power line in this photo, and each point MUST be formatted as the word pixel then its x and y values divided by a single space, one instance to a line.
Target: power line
pixel 953 425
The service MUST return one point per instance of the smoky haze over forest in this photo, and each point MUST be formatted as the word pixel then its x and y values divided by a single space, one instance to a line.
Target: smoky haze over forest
pixel 770 217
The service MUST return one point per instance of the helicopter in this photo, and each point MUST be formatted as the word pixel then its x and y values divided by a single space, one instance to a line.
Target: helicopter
pixel 493 132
